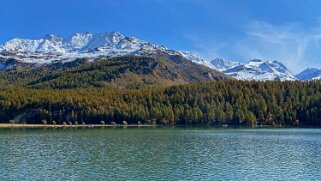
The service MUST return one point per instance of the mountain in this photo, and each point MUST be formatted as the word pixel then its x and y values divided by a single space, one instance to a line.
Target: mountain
pixel 261 70
pixel 124 72
pixel 253 70
pixel 223 65
pixel 91 60
pixel 51 48
pixel 310 74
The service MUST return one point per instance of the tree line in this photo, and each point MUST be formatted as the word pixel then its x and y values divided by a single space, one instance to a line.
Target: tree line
pixel 231 102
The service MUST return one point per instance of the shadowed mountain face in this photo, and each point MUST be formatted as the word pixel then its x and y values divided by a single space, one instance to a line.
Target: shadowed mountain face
pixel 310 74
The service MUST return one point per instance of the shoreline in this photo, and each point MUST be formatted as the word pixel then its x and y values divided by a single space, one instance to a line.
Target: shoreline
pixel 22 126
pixel 9 125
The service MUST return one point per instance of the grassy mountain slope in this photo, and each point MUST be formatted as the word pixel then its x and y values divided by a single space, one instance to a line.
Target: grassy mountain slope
pixel 124 72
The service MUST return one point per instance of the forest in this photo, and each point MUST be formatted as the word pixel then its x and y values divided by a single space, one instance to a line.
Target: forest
pixel 231 102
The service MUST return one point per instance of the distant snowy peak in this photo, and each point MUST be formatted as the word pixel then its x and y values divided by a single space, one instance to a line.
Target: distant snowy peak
pixel 253 70
pixel 261 70
pixel 310 74
pixel 223 65
pixel 217 64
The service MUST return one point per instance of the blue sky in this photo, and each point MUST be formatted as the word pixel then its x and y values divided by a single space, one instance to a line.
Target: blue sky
pixel 285 30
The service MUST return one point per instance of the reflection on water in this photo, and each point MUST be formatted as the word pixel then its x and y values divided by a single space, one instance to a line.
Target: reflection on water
pixel 160 153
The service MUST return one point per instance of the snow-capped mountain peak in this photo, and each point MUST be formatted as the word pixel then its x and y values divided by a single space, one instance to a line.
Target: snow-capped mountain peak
pixel 263 70
pixel 77 41
pixel 47 44
pixel 253 70
pixel 91 45
pixel 222 65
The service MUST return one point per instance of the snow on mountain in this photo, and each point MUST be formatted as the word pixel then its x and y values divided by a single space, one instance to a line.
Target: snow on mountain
pixel 253 70
pixel 223 65
pixel 77 41
pixel 261 70
pixel 217 64
pixel 47 44
pixel 196 58
pixel 310 74
pixel 52 48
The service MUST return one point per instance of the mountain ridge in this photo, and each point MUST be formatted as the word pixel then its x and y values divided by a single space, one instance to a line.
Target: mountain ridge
pixel 79 45
pixel 51 49
pixel 255 69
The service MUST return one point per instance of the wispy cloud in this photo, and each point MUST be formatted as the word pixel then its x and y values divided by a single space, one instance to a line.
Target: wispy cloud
pixel 296 46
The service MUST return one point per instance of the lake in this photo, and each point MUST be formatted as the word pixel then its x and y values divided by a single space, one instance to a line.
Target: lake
pixel 160 154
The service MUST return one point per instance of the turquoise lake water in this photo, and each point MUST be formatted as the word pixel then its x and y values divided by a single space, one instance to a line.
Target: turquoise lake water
pixel 160 154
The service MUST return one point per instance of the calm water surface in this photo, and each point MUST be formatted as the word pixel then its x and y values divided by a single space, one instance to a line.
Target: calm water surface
pixel 160 154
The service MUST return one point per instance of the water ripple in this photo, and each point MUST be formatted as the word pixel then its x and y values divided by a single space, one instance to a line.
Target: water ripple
pixel 160 154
